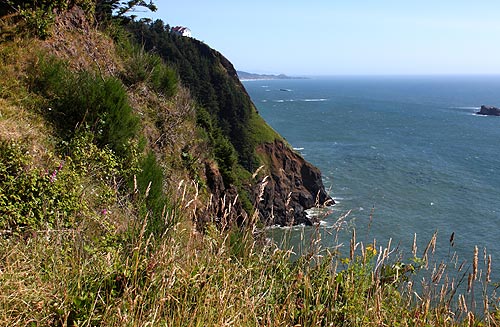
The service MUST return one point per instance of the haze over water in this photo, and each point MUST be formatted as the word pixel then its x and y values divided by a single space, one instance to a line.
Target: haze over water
pixel 409 147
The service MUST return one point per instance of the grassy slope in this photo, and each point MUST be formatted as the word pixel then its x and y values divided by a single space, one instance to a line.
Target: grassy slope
pixel 106 269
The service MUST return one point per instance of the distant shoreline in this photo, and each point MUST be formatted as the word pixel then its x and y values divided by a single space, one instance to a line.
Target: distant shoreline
pixel 245 76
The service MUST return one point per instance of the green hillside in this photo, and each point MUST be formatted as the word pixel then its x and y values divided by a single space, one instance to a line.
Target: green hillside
pixel 136 180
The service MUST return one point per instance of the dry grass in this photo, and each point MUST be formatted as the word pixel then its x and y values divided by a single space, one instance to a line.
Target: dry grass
pixel 19 125
pixel 189 279
pixel 75 39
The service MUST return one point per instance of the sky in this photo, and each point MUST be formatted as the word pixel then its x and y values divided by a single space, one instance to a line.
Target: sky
pixel 346 37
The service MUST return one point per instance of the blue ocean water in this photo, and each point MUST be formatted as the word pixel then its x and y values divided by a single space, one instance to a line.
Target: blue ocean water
pixel 408 150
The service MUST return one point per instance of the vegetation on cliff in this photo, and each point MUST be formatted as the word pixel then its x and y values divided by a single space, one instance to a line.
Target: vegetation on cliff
pixel 119 177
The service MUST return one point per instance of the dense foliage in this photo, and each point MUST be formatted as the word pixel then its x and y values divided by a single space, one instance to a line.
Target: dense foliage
pixel 212 81
pixel 86 102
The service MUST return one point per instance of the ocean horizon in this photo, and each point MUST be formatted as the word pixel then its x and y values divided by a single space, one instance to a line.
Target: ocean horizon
pixel 403 155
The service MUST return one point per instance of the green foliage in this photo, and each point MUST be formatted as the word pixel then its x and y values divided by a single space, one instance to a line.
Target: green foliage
pixel 190 163
pixel 155 204
pixel 105 9
pixel 39 20
pixel 82 101
pixel 39 15
pixel 226 157
pixel 212 81
pixel 223 150
pixel 164 80
pixel 143 66
pixel 31 198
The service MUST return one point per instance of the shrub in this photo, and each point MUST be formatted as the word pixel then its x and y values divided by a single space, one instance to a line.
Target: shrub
pixel 150 186
pixel 31 198
pixel 84 101
pixel 144 66
pixel 164 80
pixel 82 184
pixel 223 150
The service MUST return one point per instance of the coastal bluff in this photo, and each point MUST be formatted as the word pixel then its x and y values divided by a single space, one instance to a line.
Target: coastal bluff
pixel 291 186
pixel 489 111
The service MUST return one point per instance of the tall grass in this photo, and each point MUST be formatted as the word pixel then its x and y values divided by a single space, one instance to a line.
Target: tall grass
pixel 184 278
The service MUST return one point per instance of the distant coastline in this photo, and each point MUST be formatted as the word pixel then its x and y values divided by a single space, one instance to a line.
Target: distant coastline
pixel 245 76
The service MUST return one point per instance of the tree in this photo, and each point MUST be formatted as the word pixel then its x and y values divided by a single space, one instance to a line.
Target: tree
pixel 108 8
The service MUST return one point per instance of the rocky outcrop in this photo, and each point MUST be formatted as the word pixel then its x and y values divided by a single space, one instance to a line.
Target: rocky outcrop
pixel 291 186
pixel 489 111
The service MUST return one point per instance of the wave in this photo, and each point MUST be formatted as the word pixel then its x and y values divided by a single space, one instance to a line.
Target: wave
pixel 300 100
pixel 298 149
pixel 466 108
pixel 314 100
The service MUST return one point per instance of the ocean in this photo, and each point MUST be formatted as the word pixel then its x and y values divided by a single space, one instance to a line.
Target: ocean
pixel 401 155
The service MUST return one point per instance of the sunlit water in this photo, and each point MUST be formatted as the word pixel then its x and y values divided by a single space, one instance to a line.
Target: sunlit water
pixel 405 154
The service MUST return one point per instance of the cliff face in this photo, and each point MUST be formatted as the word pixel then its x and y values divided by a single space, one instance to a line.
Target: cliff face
pixel 232 122
pixel 292 186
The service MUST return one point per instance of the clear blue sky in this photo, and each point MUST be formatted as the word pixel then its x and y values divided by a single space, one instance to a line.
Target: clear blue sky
pixel 339 37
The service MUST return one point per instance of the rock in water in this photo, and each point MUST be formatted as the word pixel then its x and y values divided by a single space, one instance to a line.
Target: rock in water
pixel 489 111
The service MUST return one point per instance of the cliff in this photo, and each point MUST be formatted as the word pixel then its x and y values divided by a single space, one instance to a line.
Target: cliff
pixel 158 123
pixel 292 184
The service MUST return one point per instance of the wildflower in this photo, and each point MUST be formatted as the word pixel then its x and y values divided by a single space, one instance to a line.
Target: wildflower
pixel 371 250
pixel 104 212
pixel 345 260
pixel 53 176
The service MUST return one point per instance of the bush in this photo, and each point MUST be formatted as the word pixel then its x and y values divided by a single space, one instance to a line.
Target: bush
pixel 226 158
pixel 31 198
pixel 223 150
pixel 164 80
pixel 150 186
pixel 82 184
pixel 82 101
pixel 144 66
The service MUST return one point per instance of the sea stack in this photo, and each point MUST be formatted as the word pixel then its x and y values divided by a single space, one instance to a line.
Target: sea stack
pixel 489 111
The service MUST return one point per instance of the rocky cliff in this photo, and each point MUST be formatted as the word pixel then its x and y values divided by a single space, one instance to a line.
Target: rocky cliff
pixel 292 186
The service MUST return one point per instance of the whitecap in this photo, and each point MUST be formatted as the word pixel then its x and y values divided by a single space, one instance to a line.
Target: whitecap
pixel 298 149
pixel 314 100
pixel 466 108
